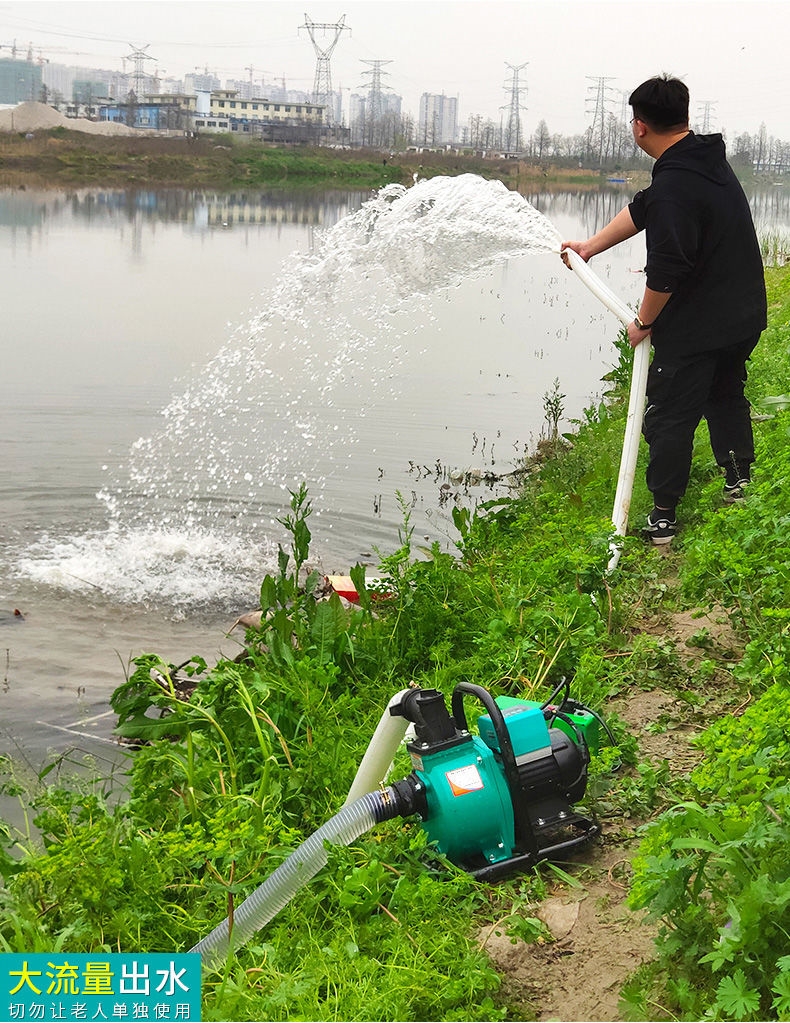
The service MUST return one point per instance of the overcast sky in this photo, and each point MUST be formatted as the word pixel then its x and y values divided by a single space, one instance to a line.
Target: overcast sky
pixel 733 55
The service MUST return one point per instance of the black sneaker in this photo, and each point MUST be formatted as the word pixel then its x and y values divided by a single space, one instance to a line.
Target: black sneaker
pixel 734 491
pixel 660 531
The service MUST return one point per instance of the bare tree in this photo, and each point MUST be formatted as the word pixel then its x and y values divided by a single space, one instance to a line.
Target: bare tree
pixel 541 141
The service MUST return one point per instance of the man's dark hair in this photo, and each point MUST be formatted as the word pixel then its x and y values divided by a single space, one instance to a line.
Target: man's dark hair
pixel 661 102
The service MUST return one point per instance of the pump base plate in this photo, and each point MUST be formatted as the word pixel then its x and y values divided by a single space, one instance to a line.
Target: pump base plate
pixel 525 861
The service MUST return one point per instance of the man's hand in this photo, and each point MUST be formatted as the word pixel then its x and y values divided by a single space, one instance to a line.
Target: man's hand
pixel 635 335
pixel 581 248
pixel 617 230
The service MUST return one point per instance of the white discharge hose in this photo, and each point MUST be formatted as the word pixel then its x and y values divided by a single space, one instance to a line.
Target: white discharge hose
pixel 636 401
pixel 384 743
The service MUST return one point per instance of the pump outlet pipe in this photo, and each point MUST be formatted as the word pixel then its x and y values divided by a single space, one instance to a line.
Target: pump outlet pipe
pixel 384 744
pixel 636 402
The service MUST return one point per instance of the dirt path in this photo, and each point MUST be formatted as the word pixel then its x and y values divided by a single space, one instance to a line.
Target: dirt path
pixel 597 944
pixel 597 941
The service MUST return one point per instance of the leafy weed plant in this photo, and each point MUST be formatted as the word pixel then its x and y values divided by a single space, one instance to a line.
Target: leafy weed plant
pixel 713 869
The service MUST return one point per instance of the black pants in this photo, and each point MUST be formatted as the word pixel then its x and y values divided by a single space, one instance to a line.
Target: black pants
pixel 680 392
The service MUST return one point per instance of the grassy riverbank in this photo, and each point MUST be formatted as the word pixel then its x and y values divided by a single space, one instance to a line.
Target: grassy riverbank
pixel 61 158
pixel 264 751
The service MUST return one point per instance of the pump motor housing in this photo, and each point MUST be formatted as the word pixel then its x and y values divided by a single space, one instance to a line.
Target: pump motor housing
pixel 503 799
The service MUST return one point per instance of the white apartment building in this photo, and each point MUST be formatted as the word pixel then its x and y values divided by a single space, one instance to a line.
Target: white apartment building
pixel 438 122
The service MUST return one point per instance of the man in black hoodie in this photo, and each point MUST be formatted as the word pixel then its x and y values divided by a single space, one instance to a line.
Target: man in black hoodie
pixel 704 303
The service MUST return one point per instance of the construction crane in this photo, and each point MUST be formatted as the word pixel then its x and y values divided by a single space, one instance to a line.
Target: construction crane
pixel 61 51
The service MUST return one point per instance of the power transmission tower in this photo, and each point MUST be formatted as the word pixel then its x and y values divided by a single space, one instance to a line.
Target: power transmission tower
pixel 511 141
pixel 139 56
pixel 251 70
pixel 623 94
pixel 375 103
pixel 322 86
pixel 597 130
pixel 707 115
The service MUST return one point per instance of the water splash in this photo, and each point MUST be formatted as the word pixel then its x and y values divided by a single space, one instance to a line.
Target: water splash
pixel 429 236
pixel 191 512
pixel 247 424
pixel 181 568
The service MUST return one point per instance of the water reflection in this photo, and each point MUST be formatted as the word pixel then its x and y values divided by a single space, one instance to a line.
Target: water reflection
pixel 770 208
pixel 205 209
pixel 202 209
pixel 591 207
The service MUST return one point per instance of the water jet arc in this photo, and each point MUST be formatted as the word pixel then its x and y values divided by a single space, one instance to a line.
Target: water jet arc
pixel 636 401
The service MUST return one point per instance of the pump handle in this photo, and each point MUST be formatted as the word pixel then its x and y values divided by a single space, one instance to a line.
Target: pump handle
pixel 525 836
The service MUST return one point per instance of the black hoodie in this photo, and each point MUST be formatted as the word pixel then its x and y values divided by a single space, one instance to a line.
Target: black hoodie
pixel 701 247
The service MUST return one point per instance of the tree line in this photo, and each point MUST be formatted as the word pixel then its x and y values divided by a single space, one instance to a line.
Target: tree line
pixel 608 144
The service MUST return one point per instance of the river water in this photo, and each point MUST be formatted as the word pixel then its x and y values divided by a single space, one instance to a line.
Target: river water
pixel 174 363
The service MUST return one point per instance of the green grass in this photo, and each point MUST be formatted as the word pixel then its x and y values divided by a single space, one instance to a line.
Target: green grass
pixel 265 749
pixel 65 158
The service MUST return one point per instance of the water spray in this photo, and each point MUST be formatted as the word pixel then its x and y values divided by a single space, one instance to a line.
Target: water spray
pixel 504 797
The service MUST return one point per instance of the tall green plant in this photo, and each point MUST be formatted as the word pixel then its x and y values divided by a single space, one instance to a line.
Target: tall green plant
pixel 715 871
pixel 294 622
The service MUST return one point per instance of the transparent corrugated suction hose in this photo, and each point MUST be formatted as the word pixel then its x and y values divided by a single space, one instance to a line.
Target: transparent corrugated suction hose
pixel 303 864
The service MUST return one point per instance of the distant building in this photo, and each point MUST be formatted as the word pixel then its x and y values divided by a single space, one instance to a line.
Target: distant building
pixel 438 122
pixel 201 83
pixel 20 81
pixel 83 91
pixel 222 111
pixel 157 113
pixel 280 94
pixel 363 130
pixel 61 81
pixel 171 86
pixel 228 112
pixel 114 84
pixel 245 89
pixel 86 98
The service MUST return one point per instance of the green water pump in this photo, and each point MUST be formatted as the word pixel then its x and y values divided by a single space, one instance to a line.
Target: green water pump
pixel 501 800
pixel 493 802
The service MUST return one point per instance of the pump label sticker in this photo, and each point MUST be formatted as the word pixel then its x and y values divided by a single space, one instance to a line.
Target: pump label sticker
pixel 464 780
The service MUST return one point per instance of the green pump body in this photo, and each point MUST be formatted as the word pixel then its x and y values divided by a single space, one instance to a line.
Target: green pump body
pixel 469 807
pixel 501 799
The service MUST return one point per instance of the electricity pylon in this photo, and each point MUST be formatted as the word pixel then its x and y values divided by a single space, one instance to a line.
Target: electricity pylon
pixel 707 115
pixel 322 86
pixel 511 141
pixel 139 56
pixel 375 101
pixel 597 130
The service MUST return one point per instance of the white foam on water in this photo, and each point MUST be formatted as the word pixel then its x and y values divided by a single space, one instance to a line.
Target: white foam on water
pixel 150 566
pixel 191 511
